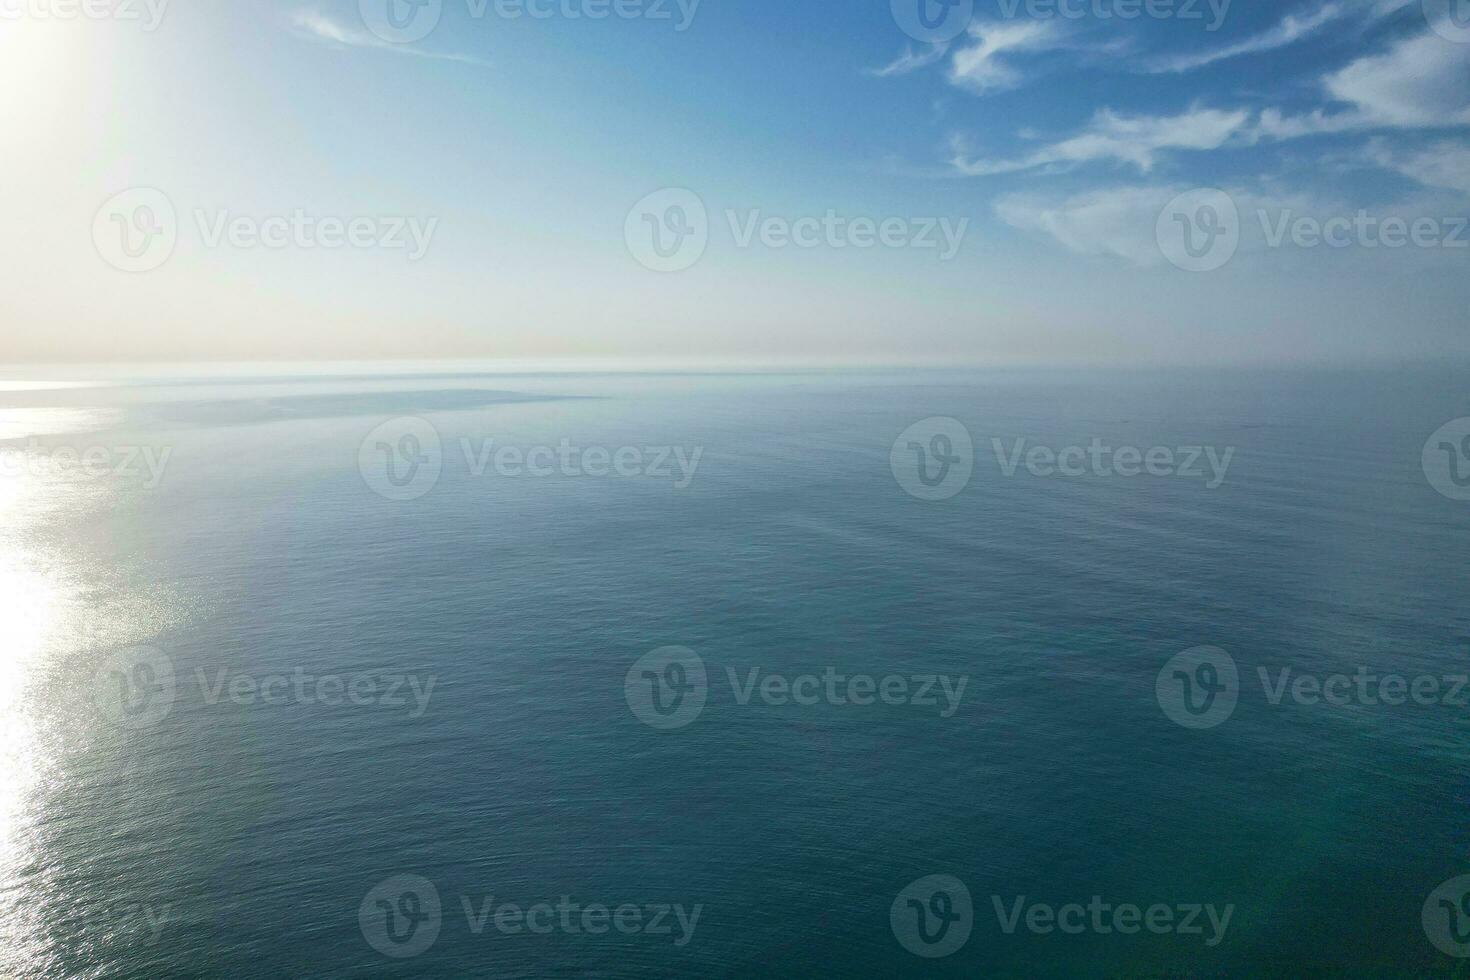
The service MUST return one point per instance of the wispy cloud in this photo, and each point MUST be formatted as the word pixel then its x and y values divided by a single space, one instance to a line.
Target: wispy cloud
pixel 1135 140
pixel 1420 82
pixel 1123 221
pixel 316 26
pixel 911 61
pixel 1445 165
pixel 1291 29
pixel 983 67
pixel 1116 221
pixel 983 62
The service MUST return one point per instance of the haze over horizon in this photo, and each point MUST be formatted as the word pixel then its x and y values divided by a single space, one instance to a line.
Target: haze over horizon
pixel 1001 190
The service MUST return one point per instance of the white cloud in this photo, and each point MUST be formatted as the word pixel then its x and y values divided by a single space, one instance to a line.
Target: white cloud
pixel 1420 82
pixel 910 61
pixel 1289 31
pixel 982 67
pixel 1135 140
pixel 1444 165
pixel 1118 221
pixel 1123 221
pixel 316 26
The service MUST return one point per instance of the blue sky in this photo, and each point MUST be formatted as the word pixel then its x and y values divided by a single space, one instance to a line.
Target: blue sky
pixel 1057 138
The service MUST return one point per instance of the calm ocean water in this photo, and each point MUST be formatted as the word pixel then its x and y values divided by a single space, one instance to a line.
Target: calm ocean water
pixel 294 687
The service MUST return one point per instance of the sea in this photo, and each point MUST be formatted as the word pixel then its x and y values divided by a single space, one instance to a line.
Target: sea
pixel 478 670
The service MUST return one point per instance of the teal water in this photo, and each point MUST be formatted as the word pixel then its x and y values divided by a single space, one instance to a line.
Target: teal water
pixel 244 836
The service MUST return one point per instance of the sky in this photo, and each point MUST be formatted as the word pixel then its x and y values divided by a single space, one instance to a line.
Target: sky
pixel 895 181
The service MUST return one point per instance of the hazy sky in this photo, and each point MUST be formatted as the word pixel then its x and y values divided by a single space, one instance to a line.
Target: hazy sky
pixel 1020 180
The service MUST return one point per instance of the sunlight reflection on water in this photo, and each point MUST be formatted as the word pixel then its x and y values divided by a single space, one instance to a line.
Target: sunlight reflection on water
pixel 22 423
